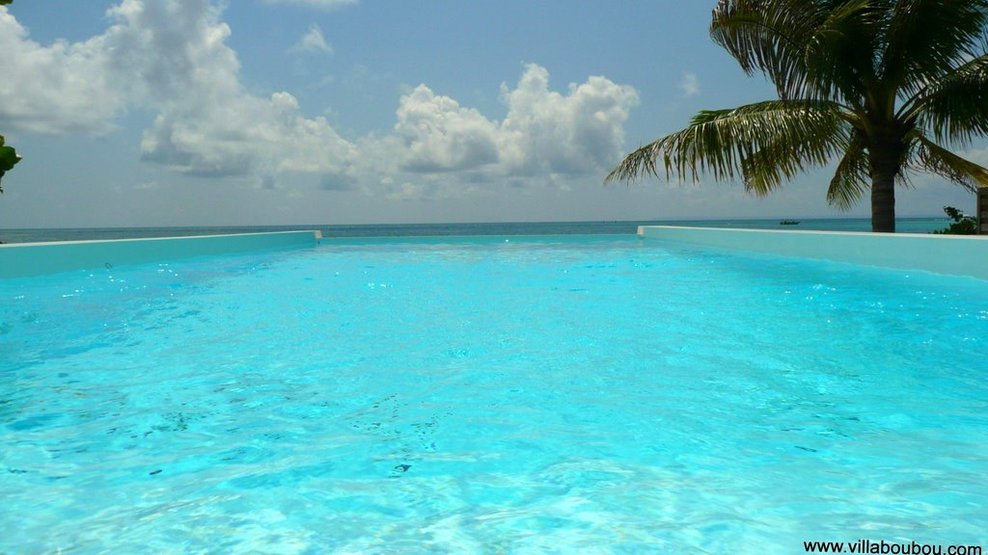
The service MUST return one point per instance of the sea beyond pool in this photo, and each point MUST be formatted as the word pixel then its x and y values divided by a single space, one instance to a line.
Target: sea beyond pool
pixel 904 225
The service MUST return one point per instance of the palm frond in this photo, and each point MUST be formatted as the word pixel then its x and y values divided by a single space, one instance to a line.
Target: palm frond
pixel 767 36
pixel 856 79
pixel 938 160
pixel 838 54
pixel 851 180
pixel 765 143
pixel 954 107
pixel 807 48
pixel 926 39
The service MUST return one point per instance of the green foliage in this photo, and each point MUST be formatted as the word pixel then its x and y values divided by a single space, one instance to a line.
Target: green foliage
pixel 881 86
pixel 963 225
pixel 8 157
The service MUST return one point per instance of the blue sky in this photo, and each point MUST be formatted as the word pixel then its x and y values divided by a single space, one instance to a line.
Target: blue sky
pixel 192 112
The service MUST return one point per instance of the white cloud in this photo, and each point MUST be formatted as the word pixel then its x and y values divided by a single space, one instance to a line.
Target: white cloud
pixel 544 132
pixel 313 41
pixel 321 4
pixel 171 58
pixel 689 84
pixel 441 136
pixel 548 132
pixel 245 136
pixel 208 123
pixel 58 88
pixel 442 149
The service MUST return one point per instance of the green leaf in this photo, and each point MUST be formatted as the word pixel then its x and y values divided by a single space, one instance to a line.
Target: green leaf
pixel 8 158
pixel 936 159
pixel 871 83
pixel 766 143
pixel 851 180
pixel 955 107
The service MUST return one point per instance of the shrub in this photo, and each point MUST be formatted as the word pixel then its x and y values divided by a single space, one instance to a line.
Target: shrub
pixel 963 225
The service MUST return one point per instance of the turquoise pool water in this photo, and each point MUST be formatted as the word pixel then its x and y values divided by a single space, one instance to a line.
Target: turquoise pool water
pixel 577 394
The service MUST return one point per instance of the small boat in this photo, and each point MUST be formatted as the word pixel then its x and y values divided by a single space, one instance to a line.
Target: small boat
pixel 789 222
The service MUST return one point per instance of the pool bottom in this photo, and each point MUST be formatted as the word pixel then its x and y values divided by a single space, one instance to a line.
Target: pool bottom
pixel 556 396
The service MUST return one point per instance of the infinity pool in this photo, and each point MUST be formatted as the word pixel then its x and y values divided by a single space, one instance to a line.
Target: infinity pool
pixel 601 394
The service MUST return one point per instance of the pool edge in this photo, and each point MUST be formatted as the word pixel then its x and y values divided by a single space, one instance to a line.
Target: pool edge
pixel 943 254
pixel 36 259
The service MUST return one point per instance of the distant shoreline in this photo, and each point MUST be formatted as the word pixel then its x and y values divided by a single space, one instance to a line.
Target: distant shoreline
pixel 31 235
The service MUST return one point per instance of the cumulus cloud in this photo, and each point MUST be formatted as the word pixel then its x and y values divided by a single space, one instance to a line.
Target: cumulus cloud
pixel 439 135
pixel 548 132
pixel 545 132
pixel 58 88
pixel 208 123
pixel 313 41
pixel 246 136
pixel 172 59
pixel 170 56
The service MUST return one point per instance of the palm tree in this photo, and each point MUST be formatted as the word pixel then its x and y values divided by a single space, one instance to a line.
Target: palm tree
pixel 880 85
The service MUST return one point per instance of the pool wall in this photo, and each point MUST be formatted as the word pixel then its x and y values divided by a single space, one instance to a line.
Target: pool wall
pixel 32 259
pixel 943 254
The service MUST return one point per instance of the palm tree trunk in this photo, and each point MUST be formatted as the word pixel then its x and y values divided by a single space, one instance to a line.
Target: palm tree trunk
pixel 887 148
pixel 883 204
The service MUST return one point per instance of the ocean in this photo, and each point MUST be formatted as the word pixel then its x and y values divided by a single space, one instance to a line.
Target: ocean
pixel 904 225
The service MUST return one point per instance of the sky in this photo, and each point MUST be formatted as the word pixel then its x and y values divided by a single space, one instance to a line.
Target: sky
pixel 272 112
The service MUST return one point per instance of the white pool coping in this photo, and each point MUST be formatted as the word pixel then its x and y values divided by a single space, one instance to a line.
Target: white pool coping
pixel 960 255
pixel 943 254
pixel 34 259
